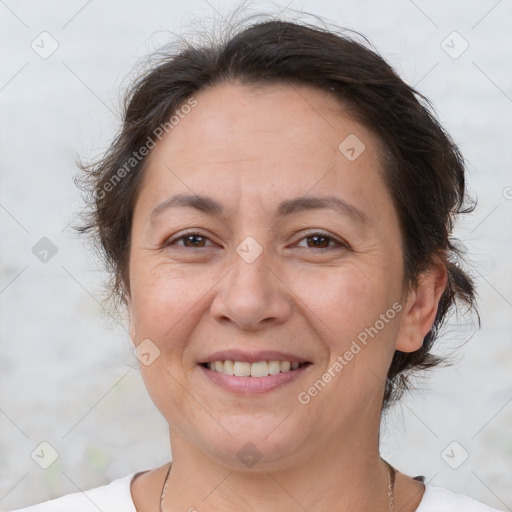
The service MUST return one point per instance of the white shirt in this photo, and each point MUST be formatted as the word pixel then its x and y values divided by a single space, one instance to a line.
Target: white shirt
pixel 116 497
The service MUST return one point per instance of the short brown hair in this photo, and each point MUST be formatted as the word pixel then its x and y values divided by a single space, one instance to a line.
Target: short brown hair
pixel 423 168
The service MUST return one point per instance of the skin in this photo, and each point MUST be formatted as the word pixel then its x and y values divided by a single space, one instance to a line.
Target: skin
pixel 251 148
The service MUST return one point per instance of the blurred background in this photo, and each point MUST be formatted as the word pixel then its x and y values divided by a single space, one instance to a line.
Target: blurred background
pixel 70 387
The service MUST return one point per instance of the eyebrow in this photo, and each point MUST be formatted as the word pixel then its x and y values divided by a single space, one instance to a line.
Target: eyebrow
pixel 212 207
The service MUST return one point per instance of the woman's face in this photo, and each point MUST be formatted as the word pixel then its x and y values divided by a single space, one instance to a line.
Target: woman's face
pixel 269 268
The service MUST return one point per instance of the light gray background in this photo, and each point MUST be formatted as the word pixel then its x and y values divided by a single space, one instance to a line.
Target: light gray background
pixel 67 373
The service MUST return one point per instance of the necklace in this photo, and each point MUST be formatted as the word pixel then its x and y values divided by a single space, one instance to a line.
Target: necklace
pixel 391 487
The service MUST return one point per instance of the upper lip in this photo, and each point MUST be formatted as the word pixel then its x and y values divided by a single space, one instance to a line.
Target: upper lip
pixel 251 357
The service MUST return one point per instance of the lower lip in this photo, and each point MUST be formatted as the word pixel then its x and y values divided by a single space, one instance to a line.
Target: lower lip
pixel 252 384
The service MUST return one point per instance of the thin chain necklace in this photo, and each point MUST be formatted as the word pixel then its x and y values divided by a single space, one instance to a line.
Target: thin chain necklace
pixel 391 487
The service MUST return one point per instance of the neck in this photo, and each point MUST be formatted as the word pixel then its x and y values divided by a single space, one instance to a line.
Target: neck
pixel 342 476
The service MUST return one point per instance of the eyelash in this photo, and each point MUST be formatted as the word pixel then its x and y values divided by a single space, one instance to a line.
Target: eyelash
pixel 323 234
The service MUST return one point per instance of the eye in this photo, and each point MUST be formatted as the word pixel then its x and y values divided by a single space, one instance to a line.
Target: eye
pixel 319 240
pixel 322 240
pixel 190 240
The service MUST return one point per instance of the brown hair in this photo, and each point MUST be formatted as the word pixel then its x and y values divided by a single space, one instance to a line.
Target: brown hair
pixel 423 168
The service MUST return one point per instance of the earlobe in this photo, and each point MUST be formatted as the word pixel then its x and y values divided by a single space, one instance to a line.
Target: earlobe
pixel 131 329
pixel 131 326
pixel 421 308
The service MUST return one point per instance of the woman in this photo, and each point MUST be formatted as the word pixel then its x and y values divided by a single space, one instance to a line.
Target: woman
pixel 276 213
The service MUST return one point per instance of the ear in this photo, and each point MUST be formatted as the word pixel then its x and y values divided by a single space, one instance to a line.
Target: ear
pixel 421 307
pixel 131 326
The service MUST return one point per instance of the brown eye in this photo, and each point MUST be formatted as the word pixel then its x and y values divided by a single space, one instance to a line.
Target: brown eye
pixel 194 240
pixel 190 240
pixel 321 241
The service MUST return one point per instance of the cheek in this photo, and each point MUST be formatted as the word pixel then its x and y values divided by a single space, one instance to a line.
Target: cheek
pixel 154 300
pixel 165 308
pixel 166 301
pixel 342 302
pixel 346 310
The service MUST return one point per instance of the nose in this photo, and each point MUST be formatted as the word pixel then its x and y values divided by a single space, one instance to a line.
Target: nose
pixel 251 296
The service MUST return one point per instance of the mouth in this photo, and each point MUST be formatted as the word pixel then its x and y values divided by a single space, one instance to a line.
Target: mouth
pixel 258 369
pixel 249 377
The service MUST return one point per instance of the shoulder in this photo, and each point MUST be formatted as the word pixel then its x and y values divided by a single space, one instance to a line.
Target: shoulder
pixel 438 499
pixel 112 497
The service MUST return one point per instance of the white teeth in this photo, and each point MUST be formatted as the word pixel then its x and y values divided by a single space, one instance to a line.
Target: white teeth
pixel 228 367
pixel 274 367
pixel 258 369
pixel 241 369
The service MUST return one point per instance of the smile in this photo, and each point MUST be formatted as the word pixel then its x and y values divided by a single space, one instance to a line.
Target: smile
pixel 246 378
pixel 257 369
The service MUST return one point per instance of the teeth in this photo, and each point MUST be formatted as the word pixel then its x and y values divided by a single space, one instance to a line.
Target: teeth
pixel 259 369
pixel 228 367
pixel 274 367
pixel 241 369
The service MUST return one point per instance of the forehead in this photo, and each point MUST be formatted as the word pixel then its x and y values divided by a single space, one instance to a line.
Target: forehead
pixel 264 141
pixel 238 117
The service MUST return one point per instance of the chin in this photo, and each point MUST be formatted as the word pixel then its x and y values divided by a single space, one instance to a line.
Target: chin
pixel 264 448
